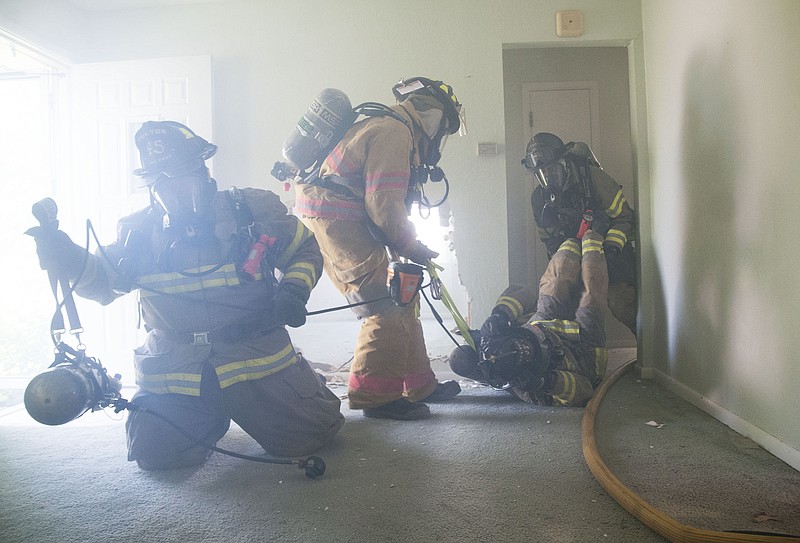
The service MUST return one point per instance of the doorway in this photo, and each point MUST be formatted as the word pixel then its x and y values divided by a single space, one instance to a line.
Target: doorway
pixel 595 76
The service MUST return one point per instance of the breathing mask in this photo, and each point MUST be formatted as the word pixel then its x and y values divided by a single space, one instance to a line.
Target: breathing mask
pixel 186 200
pixel 514 358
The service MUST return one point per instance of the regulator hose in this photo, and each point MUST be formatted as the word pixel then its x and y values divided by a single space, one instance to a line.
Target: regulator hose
pixel 650 516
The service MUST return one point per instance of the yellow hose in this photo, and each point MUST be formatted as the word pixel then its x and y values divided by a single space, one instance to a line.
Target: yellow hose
pixel 650 516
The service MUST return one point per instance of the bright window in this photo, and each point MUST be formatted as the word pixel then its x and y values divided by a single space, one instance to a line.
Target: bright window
pixel 28 155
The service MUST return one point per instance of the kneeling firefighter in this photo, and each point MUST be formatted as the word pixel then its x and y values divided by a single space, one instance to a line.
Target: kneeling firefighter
pixel 557 355
pixel 358 207
pixel 217 348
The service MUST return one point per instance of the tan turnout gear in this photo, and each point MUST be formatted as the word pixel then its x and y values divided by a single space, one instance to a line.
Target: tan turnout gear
pixel 356 210
pixel 569 319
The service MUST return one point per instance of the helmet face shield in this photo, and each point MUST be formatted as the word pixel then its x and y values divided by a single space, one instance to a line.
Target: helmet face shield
pixel 441 91
pixel 462 118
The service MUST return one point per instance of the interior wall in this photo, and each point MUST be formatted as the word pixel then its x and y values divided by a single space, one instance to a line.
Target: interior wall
pixel 271 58
pixel 608 66
pixel 723 117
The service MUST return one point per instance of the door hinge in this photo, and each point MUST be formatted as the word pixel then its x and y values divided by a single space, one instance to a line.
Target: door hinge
pixel 530 119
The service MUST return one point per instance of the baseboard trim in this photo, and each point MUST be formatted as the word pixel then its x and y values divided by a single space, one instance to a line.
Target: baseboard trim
pixel 769 442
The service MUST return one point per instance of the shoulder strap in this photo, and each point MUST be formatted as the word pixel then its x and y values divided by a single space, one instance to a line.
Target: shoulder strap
pixel 242 212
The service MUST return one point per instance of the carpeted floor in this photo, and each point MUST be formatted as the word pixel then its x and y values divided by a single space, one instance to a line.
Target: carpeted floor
pixel 485 467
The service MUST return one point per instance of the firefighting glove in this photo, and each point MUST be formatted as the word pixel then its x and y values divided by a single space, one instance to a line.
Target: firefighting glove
pixel 420 254
pixel 497 323
pixel 57 252
pixel 289 306
pixel 615 263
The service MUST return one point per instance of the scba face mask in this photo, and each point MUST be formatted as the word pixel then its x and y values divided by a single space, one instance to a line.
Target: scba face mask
pixel 186 200
pixel 553 176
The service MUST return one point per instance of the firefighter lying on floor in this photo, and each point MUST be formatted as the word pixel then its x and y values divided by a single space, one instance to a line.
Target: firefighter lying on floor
pixel 557 355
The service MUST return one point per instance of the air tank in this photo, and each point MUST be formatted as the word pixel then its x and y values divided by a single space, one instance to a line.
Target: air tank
pixel 319 129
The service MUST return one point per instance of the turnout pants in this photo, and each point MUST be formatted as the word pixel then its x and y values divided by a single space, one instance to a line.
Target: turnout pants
pixel 574 287
pixel 390 360
pixel 289 413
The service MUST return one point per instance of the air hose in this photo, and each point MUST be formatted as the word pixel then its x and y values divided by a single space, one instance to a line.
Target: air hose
pixel 650 516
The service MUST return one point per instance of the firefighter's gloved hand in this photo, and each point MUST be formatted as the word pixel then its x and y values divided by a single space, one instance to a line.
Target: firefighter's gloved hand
pixel 420 254
pixel 601 224
pixel 615 262
pixel 57 252
pixel 497 323
pixel 289 306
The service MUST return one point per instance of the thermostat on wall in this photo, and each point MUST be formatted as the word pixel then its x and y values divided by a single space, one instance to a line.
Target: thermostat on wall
pixel 487 149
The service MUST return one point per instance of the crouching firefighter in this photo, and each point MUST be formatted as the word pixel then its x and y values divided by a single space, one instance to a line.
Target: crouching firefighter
pixel 217 348
pixel 555 355
pixel 573 193
pixel 358 207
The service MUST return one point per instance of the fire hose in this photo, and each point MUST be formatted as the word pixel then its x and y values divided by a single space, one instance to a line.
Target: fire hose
pixel 649 515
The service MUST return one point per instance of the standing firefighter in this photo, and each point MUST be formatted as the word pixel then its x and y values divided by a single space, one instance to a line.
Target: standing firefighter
pixel 357 208
pixel 574 193
pixel 557 355
pixel 217 348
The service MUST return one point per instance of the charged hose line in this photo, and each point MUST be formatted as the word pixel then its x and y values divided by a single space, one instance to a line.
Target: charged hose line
pixel 650 516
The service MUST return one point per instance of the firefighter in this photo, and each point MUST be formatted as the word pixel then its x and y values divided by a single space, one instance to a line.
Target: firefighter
pixel 549 351
pixel 575 193
pixel 358 208
pixel 203 262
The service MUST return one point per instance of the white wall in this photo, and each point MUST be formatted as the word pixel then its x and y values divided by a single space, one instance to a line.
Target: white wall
pixel 724 122
pixel 272 57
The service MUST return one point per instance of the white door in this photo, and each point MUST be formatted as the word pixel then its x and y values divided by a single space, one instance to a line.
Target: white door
pixel 110 101
pixel 571 111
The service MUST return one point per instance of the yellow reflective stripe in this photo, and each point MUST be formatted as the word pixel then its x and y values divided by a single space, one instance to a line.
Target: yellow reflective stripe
pixel 175 383
pixel 255 368
pixel 252 376
pixel 304 272
pixel 177 283
pixel 591 245
pixel 570 387
pixel 512 304
pixel 617 237
pixel 615 208
pixel 600 361
pixel 571 245
pixel 300 235
pixel 570 328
